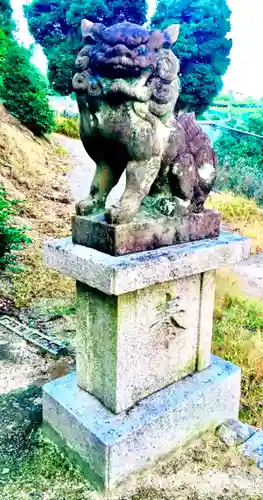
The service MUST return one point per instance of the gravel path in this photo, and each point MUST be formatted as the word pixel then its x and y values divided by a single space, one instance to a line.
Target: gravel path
pixel 83 167
pixel 250 272
pixel 83 170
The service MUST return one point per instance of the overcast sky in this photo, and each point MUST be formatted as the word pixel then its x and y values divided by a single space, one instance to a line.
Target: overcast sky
pixel 245 73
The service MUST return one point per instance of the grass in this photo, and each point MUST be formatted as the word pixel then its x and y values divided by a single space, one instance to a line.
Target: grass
pixel 238 328
pixel 38 281
pixel 241 215
pixel 238 337
pixel 45 474
pixel 68 126
pixel 33 468
pixel 60 150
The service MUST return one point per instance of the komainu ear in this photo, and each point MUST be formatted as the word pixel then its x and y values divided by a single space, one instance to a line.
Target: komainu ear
pixel 86 27
pixel 173 32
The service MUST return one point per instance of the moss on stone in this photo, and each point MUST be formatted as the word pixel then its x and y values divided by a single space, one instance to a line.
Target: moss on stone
pixel 45 473
pixel 20 417
pixel 76 461
pixel 164 206
pixel 29 464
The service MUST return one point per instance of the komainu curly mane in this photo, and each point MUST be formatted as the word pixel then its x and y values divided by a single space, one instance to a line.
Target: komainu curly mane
pixel 127 86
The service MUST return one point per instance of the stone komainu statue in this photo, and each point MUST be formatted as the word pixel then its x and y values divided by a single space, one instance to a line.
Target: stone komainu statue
pixel 127 86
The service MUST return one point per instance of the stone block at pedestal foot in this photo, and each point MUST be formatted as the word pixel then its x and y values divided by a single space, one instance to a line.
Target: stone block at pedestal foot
pixel 111 447
pixel 144 232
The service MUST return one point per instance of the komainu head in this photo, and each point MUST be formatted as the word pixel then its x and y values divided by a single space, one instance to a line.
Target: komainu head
pixel 116 59
pixel 124 49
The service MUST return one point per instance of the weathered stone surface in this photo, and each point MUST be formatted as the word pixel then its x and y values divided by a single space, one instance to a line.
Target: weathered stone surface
pixel 234 433
pixel 130 346
pixel 253 448
pixel 144 233
pixel 113 447
pixel 127 87
pixel 118 275
pixel 205 324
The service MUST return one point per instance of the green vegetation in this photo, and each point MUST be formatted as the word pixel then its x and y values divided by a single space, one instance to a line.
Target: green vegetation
pixel 238 337
pixel 37 281
pixel 254 122
pixel 31 467
pixel 249 121
pixel 3 52
pixel 12 237
pixel 45 471
pixel 6 22
pixel 236 112
pixel 240 168
pixel 23 89
pixel 68 126
pixel 238 327
pixel 56 26
pixel 240 214
pixel 202 47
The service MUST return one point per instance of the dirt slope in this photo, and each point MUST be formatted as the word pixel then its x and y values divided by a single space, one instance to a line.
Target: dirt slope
pixel 34 170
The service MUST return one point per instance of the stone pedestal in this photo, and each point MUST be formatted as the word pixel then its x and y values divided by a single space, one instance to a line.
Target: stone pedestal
pixel 108 448
pixel 143 353
pixel 145 232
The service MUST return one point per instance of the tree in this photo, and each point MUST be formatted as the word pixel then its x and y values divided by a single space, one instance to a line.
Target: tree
pixel 25 92
pixel 23 89
pixel 55 24
pixel 3 52
pixel 6 22
pixel 6 26
pixel 202 47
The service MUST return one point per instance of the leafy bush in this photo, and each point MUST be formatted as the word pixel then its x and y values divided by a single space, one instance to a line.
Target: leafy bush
pixel 254 122
pixel 68 126
pixel 24 90
pixel 249 122
pixel 12 237
pixel 240 168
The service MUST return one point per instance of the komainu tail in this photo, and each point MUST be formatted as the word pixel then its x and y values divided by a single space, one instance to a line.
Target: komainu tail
pixel 199 146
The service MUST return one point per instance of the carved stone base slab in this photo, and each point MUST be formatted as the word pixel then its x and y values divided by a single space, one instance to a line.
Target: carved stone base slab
pixel 108 448
pixel 144 233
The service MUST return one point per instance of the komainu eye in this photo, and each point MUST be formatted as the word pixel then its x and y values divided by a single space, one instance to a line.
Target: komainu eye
pixel 142 50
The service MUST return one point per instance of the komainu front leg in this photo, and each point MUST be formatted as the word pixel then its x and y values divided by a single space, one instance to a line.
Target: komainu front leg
pixel 104 180
pixel 139 179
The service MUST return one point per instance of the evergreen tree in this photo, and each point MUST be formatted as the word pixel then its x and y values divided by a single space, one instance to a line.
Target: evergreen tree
pixel 55 24
pixel 6 22
pixel 5 34
pixel 23 89
pixel 202 47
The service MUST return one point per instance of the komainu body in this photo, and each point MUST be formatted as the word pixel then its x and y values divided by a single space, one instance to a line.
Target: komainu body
pixel 127 86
